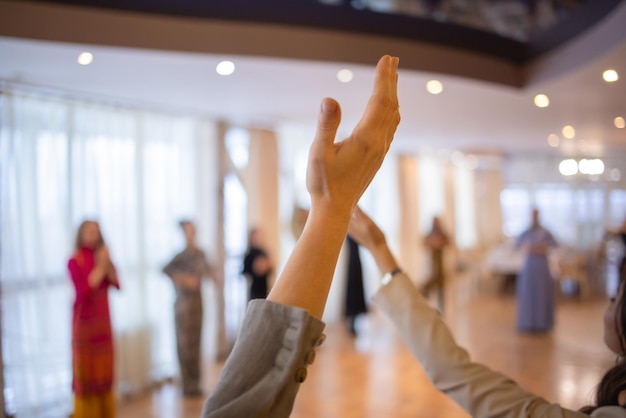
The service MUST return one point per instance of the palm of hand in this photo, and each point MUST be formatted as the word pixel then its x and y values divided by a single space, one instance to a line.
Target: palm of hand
pixel 340 172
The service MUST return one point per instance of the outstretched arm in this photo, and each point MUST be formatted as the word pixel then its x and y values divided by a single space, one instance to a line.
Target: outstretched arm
pixel 479 390
pixel 278 336
pixel 337 176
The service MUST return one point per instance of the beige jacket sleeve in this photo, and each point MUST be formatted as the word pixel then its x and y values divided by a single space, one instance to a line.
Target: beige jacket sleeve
pixel 482 392
pixel 263 373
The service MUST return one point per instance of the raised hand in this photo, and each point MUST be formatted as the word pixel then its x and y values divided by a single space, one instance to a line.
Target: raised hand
pixel 102 256
pixel 366 233
pixel 339 173
pixel 337 176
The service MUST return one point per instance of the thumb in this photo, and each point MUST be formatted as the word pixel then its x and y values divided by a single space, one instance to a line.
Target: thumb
pixel 327 124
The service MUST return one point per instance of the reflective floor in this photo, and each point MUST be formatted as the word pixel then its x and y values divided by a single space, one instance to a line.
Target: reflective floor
pixel 374 375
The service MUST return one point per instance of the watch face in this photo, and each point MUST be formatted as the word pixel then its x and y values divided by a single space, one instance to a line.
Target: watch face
pixel 386 279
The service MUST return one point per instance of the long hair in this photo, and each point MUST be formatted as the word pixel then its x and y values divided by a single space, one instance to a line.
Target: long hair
pixel 614 381
pixel 78 243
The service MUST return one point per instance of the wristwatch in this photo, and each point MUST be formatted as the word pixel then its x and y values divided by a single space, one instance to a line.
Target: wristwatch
pixel 389 276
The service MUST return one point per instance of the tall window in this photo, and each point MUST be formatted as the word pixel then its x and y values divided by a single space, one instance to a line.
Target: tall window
pixel 137 173
pixel 578 217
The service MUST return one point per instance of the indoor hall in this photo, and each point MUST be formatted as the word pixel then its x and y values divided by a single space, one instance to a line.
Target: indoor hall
pixel 375 375
pixel 148 119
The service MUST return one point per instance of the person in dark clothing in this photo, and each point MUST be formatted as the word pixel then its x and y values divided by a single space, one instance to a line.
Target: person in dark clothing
pixel 257 266
pixel 355 295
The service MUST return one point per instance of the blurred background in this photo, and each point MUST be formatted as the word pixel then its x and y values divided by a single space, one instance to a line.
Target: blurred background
pixel 140 114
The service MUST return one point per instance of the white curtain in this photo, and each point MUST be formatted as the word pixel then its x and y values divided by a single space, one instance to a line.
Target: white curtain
pixel 135 172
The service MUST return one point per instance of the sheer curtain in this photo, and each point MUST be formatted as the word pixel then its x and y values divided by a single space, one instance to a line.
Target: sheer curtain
pixel 135 172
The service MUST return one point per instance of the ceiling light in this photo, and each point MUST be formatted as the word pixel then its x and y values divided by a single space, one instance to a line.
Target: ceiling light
pixel 568 167
pixel 568 132
pixel 225 68
pixel 541 100
pixel 345 76
pixel 553 140
pixel 610 76
pixel 434 87
pixel 619 122
pixel 85 58
pixel 593 166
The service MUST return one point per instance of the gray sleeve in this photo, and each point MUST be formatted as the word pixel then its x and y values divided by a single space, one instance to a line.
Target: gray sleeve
pixel 262 375
pixel 477 389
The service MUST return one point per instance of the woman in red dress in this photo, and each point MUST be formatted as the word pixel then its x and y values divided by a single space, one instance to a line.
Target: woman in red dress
pixel 92 338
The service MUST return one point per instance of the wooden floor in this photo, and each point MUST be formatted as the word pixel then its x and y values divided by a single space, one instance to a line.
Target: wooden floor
pixel 376 376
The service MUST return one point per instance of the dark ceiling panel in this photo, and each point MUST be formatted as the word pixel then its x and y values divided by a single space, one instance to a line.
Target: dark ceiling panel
pixel 343 17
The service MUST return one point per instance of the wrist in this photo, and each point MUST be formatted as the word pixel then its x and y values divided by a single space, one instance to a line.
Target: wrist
pixel 330 213
pixel 385 260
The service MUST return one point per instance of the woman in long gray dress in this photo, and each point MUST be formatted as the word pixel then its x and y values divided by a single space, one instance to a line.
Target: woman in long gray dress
pixel 535 285
pixel 186 270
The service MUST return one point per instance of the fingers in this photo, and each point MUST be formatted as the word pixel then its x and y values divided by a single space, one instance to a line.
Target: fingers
pixel 327 124
pixel 386 81
pixel 382 114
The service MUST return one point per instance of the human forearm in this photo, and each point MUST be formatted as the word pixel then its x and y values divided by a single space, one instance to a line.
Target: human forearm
pixel 311 266
pixel 384 258
pixel 337 176
pixel 96 276
pixel 477 389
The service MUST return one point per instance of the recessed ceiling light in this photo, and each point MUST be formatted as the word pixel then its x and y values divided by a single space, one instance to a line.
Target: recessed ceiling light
pixel 434 87
pixel 593 166
pixel 225 68
pixel 619 122
pixel 568 132
pixel 610 76
pixel 345 76
pixel 553 140
pixel 85 58
pixel 568 167
pixel 541 100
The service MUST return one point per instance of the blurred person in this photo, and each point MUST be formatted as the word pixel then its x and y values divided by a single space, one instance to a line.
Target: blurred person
pixel 257 266
pixel 436 241
pixel 92 273
pixel 535 284
pixel 187 269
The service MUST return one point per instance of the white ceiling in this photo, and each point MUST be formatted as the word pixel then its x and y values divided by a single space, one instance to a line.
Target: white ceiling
pixel 468 115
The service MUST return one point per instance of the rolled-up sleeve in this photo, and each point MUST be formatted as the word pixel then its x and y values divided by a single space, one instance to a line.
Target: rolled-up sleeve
pixel 479 390
pixel 262 375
